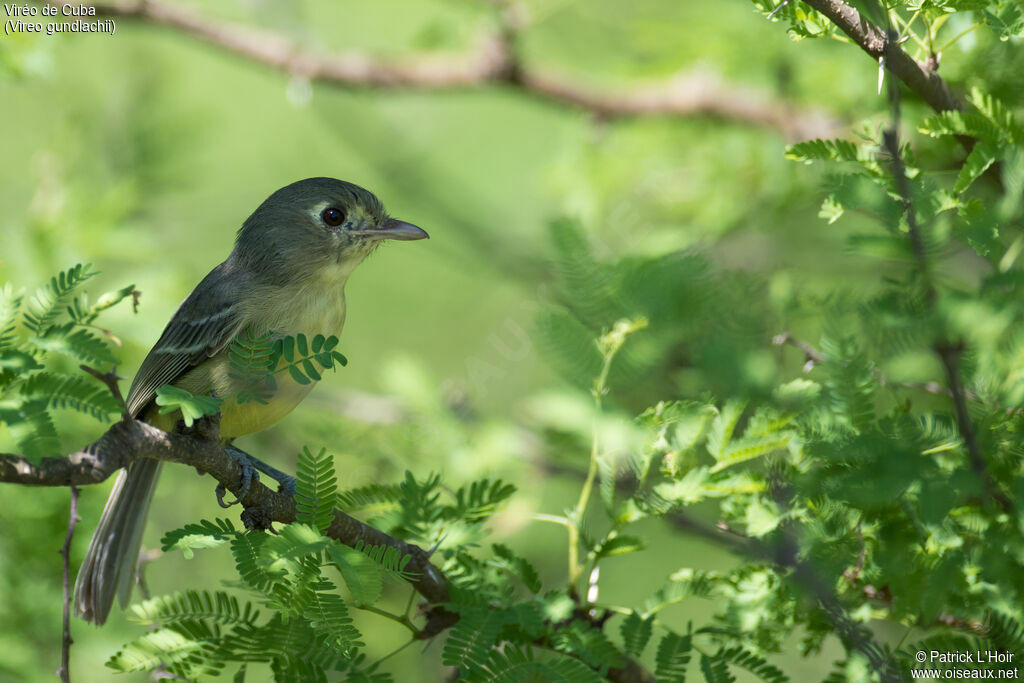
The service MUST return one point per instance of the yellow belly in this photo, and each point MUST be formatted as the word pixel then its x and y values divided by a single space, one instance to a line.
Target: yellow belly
pixel 314 304
pixel 237 419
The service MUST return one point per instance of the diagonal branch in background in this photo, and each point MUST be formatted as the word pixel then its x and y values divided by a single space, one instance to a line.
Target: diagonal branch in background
pixel 200 447
pixel 492 61
pixel 928 85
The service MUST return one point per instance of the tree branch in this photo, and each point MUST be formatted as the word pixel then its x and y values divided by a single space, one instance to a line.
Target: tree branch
pixel 918 77
pixel 492 60
pixel 200 447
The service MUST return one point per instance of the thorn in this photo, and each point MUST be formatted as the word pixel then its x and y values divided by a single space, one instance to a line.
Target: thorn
pixel 779 8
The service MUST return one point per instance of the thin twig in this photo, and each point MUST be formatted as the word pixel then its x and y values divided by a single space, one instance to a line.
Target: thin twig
pixel 786 553
pixel 812 355
pixel 948 350
pixel 111 380
pixel 65 553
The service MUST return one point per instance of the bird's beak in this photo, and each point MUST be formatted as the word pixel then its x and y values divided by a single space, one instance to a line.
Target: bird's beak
pixel 395 230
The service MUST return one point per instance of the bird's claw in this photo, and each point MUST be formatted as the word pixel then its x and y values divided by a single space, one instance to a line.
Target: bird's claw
pixel 250 465
pixel 249 475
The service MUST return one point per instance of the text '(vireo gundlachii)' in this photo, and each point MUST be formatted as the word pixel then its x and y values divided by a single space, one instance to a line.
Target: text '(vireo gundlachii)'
pixel 285 276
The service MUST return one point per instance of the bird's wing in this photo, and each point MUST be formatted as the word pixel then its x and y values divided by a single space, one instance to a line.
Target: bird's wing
pixel 204 323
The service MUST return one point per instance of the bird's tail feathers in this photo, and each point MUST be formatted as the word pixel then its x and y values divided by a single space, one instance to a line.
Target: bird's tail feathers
pixel 109 565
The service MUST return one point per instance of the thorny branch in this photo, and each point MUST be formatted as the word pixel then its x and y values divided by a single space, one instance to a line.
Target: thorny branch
pixel 919 77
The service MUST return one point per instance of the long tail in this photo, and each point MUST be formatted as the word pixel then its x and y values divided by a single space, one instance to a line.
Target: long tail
pixel 109 565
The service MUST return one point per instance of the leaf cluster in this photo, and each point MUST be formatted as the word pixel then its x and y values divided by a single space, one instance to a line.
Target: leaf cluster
pixel 43 340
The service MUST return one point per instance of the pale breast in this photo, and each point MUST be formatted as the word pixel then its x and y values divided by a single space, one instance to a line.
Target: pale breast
pixel 315 306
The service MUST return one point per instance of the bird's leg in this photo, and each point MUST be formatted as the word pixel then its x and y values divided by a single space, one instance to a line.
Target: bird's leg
pixel 250 465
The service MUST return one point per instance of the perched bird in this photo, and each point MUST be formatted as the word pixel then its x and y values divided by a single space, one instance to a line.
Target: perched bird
pixel 286 275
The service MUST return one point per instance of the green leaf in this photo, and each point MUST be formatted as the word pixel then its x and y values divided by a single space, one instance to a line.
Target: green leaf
pixel 753 663
pixel 49 301
pixel 31 427
pixel 307 366
pixel 715 670
pixel 674 652
pixel 683 584
pixel 636 632
pixel 163 646
pixel 831 209
pixel 18 361
pixel 828 150
pixel 588 643
pixel 171 398
pixel 316 489
pixel 469 643
pixel 79 344
pixel 389 559
pixel 297 375
pixel 517 566
pixel 971 124
pixel 190 606
pixel 981 157
pixel 205 534
pixel 328 616
pixel 720 433
pixel 251 365
pixel 246 548
pixel 293 542
pixel 998 113
pixel 619 544
pixel 361 574
pixel 80 393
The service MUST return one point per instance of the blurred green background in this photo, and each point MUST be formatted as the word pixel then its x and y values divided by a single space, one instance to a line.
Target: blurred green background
pixel 143 152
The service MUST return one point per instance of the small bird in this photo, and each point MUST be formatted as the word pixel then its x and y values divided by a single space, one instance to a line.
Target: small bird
pixel 286 275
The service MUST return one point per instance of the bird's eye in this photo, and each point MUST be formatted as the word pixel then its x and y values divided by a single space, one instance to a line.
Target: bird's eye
pixel 333 216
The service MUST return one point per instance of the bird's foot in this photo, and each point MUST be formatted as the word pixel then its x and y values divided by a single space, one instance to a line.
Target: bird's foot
pixel 250 468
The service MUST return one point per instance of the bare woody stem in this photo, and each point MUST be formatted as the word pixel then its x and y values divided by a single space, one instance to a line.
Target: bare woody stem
pixel 199 447
pixel 493 60
pixel 948 350
pixel 65 554
pixel 918 77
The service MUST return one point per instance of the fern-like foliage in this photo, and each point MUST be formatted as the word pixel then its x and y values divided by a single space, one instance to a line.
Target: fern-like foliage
pixel 47 305
pixel 673 658
pixel 636 633
pixel 309 630
pixel 316 489
pixel 40 343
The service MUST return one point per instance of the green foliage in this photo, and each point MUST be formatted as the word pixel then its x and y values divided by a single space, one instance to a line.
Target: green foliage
pixel 309 630
pixel 833 461
pixel 256 362
pixel 40 342
pixel 674 653
pixel 171 399
pixel 636 632
pixel 315 476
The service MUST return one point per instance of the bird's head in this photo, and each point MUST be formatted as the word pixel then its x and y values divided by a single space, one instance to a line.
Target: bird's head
pixel 316 227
